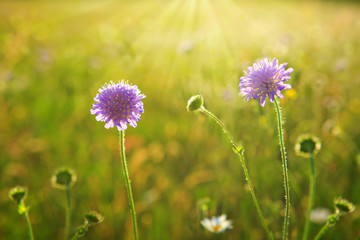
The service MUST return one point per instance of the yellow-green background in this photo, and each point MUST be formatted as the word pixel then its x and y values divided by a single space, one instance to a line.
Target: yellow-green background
pixel 54 55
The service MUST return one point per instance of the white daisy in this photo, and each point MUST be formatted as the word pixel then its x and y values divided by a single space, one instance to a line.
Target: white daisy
pixel 217 224
pixel 319 215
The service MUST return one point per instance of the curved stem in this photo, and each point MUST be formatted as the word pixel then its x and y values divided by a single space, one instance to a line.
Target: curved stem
pixel 204 110
pixel 242 160
pixel 31 235
pixel 76 236
pixel 240 152
pixel 127 181
pixel 311 197
pixel 68 213
pixel 325 228
pixel 285 171
pixel 322 231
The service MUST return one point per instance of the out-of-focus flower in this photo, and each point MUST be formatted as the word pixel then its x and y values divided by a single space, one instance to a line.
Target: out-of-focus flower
pixel 307 144
pixel 118 104
pixel 265 79
pixel 319 215
pixel 217 224
pixel 93 217
pixel 17 194
pixel 185 46
pixel 343 205
pixel 63 177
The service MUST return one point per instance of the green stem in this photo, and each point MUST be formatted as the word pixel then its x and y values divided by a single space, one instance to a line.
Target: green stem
pixel 76 236
pixel 204 110
pixel 322 231
pixel 285 172
pixel 242 160
pixel 325 228
pixel 240 152
pixel 31 235
pixel 311 196
pixel 84 228
pixel 68 213
pixel 127 181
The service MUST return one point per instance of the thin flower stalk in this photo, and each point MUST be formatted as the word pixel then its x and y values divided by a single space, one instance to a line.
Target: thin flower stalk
pixel 64 178
pixel 326 226
pixel 75 237
pixel 240 152
pixel 285 171
pixel 311 196
pixel 28 222
pixel 68 213
pixel 128 185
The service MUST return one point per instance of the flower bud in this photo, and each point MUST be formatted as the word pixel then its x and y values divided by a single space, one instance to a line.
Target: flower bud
pixel 195 103
pixel 17 194
pixel 332 219
pixel 306 145
pixel 63 177
pixel 343 205
pixel 93 217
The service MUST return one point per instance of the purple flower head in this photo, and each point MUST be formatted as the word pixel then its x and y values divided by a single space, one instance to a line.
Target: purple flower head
pixel 118 104
pixel 263 79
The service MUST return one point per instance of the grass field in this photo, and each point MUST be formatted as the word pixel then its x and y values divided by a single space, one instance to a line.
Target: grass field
pixel 54 56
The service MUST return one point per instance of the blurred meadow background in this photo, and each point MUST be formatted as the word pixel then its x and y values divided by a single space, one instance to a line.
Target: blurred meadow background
pixel 55 55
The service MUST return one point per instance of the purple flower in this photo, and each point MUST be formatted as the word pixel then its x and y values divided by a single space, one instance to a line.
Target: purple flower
pixel 263 79
pixel 118 104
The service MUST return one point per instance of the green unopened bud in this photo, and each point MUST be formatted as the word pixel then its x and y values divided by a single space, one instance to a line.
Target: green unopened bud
pixel 332 219
pixel 343 205
pixel 306 145
pixel 238 150
pixel 82 230
pixel 195 103
pixel 63 177
pixel 93 217
pixel 17 194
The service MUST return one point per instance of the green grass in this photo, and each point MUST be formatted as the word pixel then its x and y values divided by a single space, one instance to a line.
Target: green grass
pixel 55 55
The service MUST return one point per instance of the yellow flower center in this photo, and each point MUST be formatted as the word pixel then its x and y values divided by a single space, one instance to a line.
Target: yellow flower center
pixel 216 228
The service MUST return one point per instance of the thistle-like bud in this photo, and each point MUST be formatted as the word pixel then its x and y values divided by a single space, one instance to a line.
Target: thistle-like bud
pixel 63 177
pixel 17 194
pixel 93 217
pixel 195 103
pixel 343 205
pixel 306 145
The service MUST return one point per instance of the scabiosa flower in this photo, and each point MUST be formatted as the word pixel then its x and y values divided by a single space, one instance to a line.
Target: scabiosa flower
pixel 264 79
pixel 217 224
pixel 118 104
